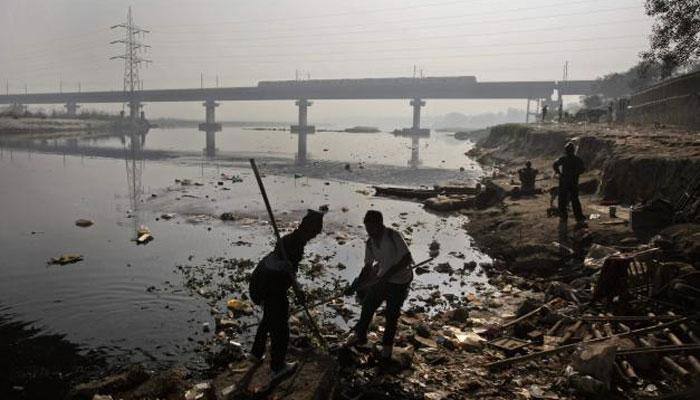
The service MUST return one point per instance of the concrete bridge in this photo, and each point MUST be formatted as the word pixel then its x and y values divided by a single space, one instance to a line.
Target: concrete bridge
pixel 415 89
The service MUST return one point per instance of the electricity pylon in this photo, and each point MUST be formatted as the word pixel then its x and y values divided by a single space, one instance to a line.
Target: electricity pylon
pixel 133 47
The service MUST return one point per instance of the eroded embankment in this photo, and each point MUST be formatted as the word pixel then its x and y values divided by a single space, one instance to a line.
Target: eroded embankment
pixel 633 165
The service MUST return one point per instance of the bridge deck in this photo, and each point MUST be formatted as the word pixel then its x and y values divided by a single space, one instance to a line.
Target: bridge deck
pixel 390 88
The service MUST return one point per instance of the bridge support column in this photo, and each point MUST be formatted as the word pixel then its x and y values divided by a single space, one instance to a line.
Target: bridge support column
pixel 302 129
pixel 417 104
pixel 415 129
pixel 135 110
pixel 72 108
pixel 210 127
pixel 415 152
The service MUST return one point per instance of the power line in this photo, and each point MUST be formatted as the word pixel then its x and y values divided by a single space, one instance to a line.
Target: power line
pixel 433 57
pixel 422 38
pixel 410 20
pixel 404 49
pixel 459 24
pixel 338 14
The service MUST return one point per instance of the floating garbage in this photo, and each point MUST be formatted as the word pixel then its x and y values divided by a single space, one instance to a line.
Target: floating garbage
pixel 239 307
pixel 64 259
pixel 143 235
pixel 84 223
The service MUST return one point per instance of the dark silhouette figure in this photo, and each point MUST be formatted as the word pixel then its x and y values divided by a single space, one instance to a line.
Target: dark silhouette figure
pixel 561 110
pixel 569 168
pixel 387 261
pixel 269 285
pixel 527 176
pixel 545 108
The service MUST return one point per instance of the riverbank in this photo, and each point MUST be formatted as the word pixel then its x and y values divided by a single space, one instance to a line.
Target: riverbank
pixel 625 166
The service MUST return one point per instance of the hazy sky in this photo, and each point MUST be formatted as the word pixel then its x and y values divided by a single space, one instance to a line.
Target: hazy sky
pixel 44 42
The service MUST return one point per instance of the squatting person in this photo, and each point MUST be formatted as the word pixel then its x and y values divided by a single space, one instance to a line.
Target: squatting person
pixel 269 285
pixel 387 264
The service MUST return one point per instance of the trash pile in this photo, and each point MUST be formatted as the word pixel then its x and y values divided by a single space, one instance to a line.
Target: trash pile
pixel 613 323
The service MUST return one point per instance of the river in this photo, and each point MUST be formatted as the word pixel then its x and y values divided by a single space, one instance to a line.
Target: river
pixel 133 302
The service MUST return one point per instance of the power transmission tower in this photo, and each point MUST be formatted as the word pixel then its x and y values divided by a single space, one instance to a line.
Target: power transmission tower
pixel 132 59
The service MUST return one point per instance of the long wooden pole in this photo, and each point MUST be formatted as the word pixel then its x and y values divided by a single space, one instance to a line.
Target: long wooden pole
pixel 298 293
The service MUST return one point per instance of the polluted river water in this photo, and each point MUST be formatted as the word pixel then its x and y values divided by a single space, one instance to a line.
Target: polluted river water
pixel 150 303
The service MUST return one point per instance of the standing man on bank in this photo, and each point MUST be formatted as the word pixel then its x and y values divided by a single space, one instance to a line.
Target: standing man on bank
pixel 569 167
pixel 387 262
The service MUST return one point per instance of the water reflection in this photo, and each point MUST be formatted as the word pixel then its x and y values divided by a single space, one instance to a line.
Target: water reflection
pixel 414 162
pixel 210 149
pixel 134 143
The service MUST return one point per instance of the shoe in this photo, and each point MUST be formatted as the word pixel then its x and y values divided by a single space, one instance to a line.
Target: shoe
pixel 386 352
pixel 288 369
pixel 354 340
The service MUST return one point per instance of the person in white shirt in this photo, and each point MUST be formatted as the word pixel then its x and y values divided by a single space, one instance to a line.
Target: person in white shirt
pixel 387 262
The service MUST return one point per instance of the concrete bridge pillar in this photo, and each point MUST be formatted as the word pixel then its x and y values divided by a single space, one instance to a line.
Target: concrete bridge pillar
pixel 415 152
pixel 417 104
pixel 302 129
pixel 135 110
pixel 210 149
pixel 210 117
pixel 210 127
pixel 415 129
pixel 72 108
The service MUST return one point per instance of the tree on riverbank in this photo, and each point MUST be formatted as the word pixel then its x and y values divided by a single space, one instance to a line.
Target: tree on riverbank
pixel 675 39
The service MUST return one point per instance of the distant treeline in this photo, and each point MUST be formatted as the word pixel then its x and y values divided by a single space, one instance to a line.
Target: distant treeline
pixel 17 111
pixel 188 123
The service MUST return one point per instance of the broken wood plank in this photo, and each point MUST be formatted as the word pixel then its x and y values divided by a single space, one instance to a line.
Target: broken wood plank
pixel 667 361
pixel 567 347
pixel 659 349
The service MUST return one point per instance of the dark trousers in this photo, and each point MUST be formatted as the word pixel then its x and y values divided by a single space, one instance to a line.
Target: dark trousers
pixel 394 295
pixel 275 320
pixel 569 193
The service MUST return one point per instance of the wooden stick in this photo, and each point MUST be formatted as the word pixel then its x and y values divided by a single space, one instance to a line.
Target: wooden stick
pixel 658 349
pixel 608 318
pixel 514 360
pixel 528 315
